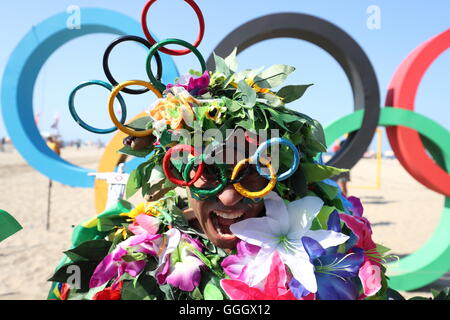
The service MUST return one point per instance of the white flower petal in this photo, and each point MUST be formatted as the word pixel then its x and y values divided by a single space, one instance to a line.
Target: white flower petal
pixel 277 210
pixel 302 269
pixel 327 238
pixel 257 231
pixel 303 211
pixel 259 268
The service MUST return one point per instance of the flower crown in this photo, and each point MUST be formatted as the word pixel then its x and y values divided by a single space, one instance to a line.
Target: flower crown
pixel 224 102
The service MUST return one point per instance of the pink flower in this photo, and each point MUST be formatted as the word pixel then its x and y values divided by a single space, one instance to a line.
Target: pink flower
pixel 370 271
pixel 113 265
pixel 370 275
pixel 274 288
pixel 195 85
pixel 179 266
pixel 236 266
pixel 144 224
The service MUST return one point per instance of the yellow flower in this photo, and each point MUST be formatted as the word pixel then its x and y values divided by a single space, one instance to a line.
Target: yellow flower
pixel 215 112
pixel 151 208
pixel 123 231
pixel 255 87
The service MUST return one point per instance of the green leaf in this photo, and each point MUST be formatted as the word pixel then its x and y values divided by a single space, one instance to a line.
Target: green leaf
pixel 382 249
pixel 221 65
pixel 133 183
pixel 166 138
pixel 140 123
pixel 8 225
pixel 231 60
pixel 273 76
pixel 248 95
pixel 276 116
pixel 136 153
pixel 196 294
pixel 323 216
pixel 318 172
pixel 211 292
pixel 81 269
pixel 136 291
pixel 94 250
pixel 292 93
pixel 110 223
pixel 330 192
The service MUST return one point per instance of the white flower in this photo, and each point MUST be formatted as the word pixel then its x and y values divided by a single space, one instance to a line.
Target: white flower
pixel 281 230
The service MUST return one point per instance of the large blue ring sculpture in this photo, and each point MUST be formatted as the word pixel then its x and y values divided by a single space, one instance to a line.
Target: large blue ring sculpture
pixel 20 77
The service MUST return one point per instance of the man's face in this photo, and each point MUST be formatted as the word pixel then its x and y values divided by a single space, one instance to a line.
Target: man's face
pixel 215 216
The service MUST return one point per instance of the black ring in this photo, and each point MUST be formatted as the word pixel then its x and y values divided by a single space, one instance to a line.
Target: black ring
pixel 343 48
pixel 108 71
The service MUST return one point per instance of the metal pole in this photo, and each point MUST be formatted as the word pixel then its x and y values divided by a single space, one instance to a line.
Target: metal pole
pixel 47 225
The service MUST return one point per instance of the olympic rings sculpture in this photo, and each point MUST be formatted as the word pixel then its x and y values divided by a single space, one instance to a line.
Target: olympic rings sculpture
pixel 416 270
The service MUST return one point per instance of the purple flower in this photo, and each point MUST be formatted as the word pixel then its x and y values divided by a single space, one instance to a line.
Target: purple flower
pixel 195 85
pixel 235 266
pixel 113 265
pixel 334 271
pixel 179 266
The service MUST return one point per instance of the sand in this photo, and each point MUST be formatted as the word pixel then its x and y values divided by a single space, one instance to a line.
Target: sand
pixel 403 214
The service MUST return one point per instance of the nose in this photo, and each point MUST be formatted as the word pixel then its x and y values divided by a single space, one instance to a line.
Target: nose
pixel 229 196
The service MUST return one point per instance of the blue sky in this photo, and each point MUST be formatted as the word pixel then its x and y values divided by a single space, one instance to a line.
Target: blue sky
pixel 404 26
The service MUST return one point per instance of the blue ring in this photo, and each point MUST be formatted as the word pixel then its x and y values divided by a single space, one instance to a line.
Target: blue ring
pixel 266 145
pixel 83 124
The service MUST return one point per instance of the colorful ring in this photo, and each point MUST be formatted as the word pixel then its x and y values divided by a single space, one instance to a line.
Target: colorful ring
pixel 406 143
pixel 169 173
pixel 285 142
pixel 158 84
pixel 149 37
pixel 112 96
pixel 108 71
pixel 256 194
pixel 205 192
pixel 83 124
pixel 432 260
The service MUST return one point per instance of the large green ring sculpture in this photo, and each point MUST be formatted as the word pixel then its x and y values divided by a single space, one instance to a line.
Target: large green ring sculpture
pixel 432 260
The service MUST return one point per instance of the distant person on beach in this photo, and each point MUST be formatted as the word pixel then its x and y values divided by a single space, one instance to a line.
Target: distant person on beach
pixel 53 144
pixel 2 144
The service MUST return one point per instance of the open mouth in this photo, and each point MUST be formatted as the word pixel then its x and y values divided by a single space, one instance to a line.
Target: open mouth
pixel 221 222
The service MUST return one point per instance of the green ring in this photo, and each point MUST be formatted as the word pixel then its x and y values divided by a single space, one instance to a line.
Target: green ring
pixel 432 260
pixel 205 192
pixel 158 84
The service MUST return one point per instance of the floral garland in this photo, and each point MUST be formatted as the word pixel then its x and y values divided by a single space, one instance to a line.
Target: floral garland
pixel 150 252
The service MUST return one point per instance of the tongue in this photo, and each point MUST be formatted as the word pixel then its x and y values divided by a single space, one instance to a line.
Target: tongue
pixel 225 224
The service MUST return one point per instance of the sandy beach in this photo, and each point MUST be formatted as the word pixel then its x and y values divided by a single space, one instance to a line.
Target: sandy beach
pixel 403 213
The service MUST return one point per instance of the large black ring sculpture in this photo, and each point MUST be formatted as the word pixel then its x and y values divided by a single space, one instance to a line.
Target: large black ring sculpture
pixel 108 73
pixel 340 46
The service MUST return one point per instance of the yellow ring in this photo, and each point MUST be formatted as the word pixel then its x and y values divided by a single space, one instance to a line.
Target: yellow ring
pixel 112 97
pixel 256 194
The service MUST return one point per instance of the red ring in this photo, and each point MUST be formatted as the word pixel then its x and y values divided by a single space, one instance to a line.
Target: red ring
pixel 169 173
pixel 149 37
pixel 402 90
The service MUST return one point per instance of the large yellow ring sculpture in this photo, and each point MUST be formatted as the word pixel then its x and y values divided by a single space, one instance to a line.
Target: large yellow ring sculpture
pixel 112 97
pixel 254 194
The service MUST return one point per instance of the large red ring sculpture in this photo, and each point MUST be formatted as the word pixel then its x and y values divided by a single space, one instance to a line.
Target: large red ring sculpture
pixel 402 91
pixel 172 52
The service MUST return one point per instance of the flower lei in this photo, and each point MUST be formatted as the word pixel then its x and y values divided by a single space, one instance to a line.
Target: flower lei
pixel 151 252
